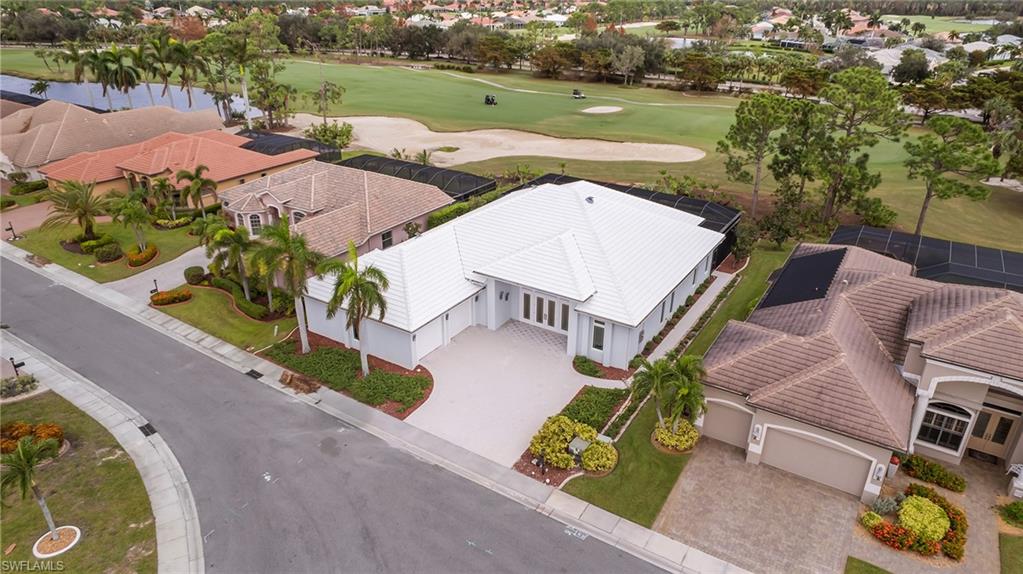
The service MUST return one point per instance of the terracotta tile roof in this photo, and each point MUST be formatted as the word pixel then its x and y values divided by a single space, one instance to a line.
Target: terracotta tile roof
pixel 56 130
pixel 101 166
pixel 341 204
pixel 7 107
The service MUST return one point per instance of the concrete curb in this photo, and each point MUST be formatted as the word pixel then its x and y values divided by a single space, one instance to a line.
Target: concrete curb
pixel 178 534
pixel 580 518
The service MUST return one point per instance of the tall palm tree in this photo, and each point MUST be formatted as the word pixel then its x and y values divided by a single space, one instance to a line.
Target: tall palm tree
pixel 198 185
pixel 75 202
pixel 98 66
pixel 140 57
pixel 359 291
pixel 19 471
pixel 75 55
pixel 191 65
pixel 39 88
pixel 228 248
pixel 660 376
pixel 687 401
pixel 161 51
pixel 286 254
pixel 121 72
pixel 164 194
pixel 131 211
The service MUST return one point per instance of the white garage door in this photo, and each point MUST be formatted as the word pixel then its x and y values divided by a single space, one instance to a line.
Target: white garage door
pixel 727 423
pixel 429 337
pixel 824 464
pixel 459 318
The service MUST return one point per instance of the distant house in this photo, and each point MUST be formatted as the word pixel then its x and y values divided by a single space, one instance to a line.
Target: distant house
pixel 332 205
pixel 890 57
pixel 761 30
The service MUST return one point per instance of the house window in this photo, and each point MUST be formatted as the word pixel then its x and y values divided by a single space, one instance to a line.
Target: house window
pixel 242 180
pixel 706 264
pixel 255 224
pixel 944 425
pixel 598 335
pixel 672 302
pixel 525 305
pixel 564 317
pixel 239 220
pixel 297 216
pixel 694 277
pixel 387 238
pixel 663 304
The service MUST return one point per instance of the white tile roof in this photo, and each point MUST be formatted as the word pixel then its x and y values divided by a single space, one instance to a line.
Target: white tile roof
pixel 619 254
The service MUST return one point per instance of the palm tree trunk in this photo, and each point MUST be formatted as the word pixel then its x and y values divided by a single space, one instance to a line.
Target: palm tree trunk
pixel 110 101
pixel 245 280
pixel 149 89
pixel 674 423
pixel 140 238
pixel 270 291
pixel 657 407
pixel 130 103
pixel 92 99
pixel 46 511
pixel 300 315
pixel 363 353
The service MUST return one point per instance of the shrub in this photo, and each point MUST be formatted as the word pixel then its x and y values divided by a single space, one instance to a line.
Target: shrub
pixel 138 258
pixel 16 430
pixel 1012 513
pixel 209 209
pixel 871 520
pixel 583 365
pixel 194 275
pixel 594 405
pixel 954 543
pixel 179 295
pixel 14 386
pixel 920 468
pixel 44 431
pixel 636 361
pixel 683 440
pixel 551 441
pixel 638 392
pixel 452 211
pixel 254 310
pixel 924 518
pixel 6 202
pixel 92 245
pixel 599 456
pixel 173 223
pixel 28 187
pixel 381 386
pixel 11 433
pixel 884 505
pixel 893 535
pixel 108 253
pixel 17 177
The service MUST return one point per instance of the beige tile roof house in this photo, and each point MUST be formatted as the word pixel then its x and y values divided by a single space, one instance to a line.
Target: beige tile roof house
pixel 55 130
pixel 332 205
pixel 849 357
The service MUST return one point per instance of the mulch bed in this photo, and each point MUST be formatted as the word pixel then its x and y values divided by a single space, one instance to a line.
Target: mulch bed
pixel 65 536
pixel 667 450
pixel 72 247
pixel 731 265
pixel 553 476
pixel 612 373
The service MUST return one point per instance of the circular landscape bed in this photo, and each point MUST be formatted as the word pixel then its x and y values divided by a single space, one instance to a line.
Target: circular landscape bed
pixel 602 110
pixel 46 547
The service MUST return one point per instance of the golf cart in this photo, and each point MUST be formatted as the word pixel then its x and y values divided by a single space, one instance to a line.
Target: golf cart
pixel 490 100
pixel 578 95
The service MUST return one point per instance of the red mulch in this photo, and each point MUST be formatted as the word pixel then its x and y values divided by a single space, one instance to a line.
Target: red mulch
pixel 614 374
pixel 553 476
pixel 392 407
pixel 730 264
pixel 72 247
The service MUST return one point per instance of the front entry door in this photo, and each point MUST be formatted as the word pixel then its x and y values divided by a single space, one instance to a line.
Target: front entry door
pixel 991 432
pixel 547 312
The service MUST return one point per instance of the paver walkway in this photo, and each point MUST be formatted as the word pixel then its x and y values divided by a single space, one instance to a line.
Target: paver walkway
pixel 167 275
pixel 758 517
pixel 984 481
pixel 693 315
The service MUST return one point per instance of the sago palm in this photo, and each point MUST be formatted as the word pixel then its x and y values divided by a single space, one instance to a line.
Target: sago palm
pixel 688 401
pixel 287 255
pixel 360 291
pixel 75 202
pixel 18 471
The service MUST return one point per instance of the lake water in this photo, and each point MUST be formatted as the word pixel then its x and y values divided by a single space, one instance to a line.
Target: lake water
pixel 91 94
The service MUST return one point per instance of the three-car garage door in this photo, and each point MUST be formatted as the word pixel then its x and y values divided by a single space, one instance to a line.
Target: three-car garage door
pixel 727 423
pixel 828 465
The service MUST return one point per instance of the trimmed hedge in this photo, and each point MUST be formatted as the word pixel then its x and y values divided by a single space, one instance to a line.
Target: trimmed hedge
pixel 28 187
pixel 138 258
pixel 179 295
pixel 599 456
pixel 923 518
pixel 197 213
pixel 194 275
pixel 6 202
pixel 172 223
pixel 953 544
pixel 920 468
pixel 594 405
pixel 108 253
pixel 1012 513
pixel 253 310
pixel 584 366
pixel 92 245
pixel 445 214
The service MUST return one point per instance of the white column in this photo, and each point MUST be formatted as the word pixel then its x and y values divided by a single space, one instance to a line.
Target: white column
pixel 491 304
pixel 573 330
pixel 923 398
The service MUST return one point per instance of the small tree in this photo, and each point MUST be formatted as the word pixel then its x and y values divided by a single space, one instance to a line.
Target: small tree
pixel 198 185
pixel 332 134
pixel 912 67
pixel 688 401
pixel 958 148
pixel 286 254
pixel 751 139
pixel 745 239
pixel 626 61
pixel 165 194
pixel 327 94
pixel 228 248
pixel 19 471
pixel 131 212
pixel 660 377
pixel 75 202
pixel 424 157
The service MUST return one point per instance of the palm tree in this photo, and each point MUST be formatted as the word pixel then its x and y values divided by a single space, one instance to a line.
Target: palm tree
pixel 198 185
pixel 97 64
pixel 121 73
pixel 130 211
pixel 688 401
pixel 140 57
pixel 191 66
pixel 79 60
pixel 287 255
pixel 39 88
pixel 161 51
pixel 228 249
pixel 19 470
pixel 875 21
pixel 359 291
pixel 953 35
pixel 659 376
pixel 424 157
pixel 75 202
pixel 164 194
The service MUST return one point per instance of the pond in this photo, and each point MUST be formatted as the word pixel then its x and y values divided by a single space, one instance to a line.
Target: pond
pixel 91 94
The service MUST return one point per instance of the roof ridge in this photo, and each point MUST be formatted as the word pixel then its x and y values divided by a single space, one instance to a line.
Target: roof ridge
pixel 780 336
pixel 586 268
pixel 600 245
pixel 365 198
pixel 979 308
pixel 56 135
pixel 978 326
pixel 798 377
pixel 865 323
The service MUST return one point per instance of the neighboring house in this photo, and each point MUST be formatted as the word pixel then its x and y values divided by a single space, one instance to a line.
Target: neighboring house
pixel 849 358
pixel 602 268
pixel 54 130
pixel 8 107
pixel 332 205
pixel 761 30
pixel 122 168
pixel 890 57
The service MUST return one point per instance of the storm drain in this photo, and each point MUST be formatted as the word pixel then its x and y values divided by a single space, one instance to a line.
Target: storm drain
pixel 148 429
pixel 254 373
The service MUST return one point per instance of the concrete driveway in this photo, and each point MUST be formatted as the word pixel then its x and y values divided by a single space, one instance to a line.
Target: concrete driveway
pixel 167 275
pixel 493 389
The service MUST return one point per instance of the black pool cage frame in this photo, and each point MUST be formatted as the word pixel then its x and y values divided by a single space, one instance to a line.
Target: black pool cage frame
pixel 270 143
pixel 458 185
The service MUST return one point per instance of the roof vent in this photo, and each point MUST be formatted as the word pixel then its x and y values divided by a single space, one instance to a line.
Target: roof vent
pixel 589 199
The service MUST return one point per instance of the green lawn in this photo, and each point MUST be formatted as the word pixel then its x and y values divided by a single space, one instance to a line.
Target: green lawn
pixel 857 566
pixel 171 244
pixel 95 486
pixel 750 288
pixel 210 310
pixel 942 23
pixel 27 198
pixel 1011 549
pixel 639 485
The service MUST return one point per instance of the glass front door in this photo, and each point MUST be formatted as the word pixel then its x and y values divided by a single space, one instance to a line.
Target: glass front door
pixel 991 432
pixel 545 311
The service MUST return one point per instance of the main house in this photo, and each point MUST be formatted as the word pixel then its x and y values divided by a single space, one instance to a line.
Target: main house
pixel 849 358
pixel 332 205
pixel 601 267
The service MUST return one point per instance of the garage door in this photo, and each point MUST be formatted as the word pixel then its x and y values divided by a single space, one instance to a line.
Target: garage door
pixel 824 464
pixel 727 424
pixel 429 337
pixel 459 318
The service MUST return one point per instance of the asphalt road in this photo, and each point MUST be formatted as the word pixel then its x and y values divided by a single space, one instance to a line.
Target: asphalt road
pixel 280 486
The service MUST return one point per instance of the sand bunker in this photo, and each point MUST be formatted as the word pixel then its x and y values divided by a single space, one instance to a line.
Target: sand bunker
pixel 602 110
pixel 385 133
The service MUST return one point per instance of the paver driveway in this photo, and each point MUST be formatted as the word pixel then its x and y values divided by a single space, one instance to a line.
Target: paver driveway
pixel 493 389
pixel 758 517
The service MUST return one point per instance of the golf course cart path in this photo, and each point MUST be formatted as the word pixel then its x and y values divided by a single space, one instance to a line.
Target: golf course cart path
pixel 385 133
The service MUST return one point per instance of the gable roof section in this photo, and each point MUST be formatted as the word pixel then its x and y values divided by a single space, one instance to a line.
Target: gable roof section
pixel 633 251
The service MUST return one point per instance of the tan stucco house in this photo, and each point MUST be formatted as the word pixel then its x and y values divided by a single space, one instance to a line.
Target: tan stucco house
pixel 849 358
